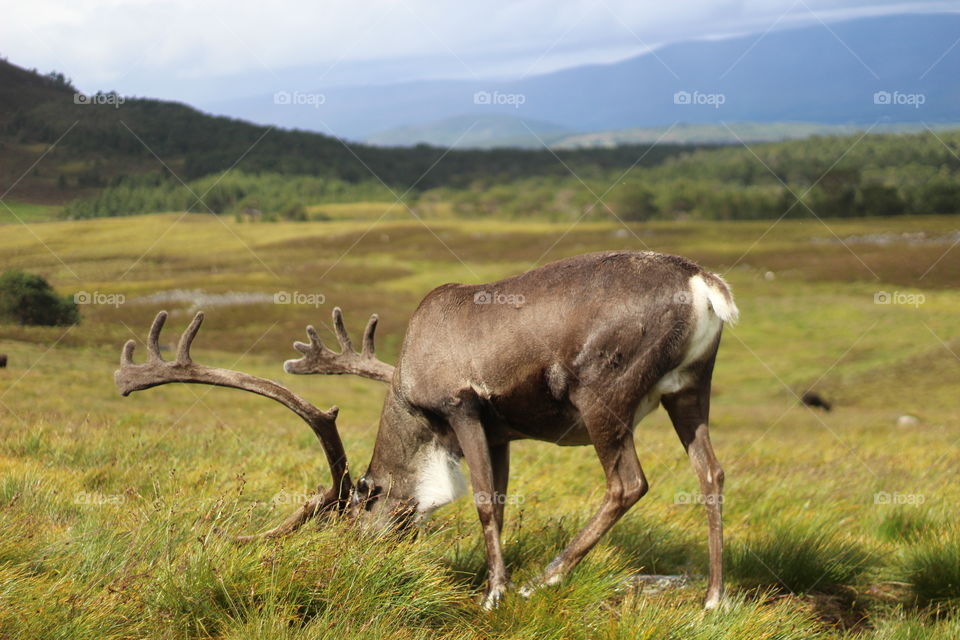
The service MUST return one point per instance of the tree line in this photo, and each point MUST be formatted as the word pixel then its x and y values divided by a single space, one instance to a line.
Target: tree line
pixel 876 175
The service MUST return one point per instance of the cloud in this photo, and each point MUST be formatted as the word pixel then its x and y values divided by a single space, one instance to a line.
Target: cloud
pixel 136 45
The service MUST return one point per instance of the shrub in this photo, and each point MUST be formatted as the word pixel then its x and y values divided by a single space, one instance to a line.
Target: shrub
pixel 294 210
pixel 29 299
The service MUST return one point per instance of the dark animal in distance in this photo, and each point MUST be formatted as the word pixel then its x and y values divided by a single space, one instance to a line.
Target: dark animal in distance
pixel 575 352
pixel 813 399
pixel 3 361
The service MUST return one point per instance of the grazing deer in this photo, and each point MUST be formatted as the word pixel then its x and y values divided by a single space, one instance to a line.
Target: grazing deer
pixel 575 353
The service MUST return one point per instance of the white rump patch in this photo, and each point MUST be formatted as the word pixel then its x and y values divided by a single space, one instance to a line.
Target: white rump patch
pixel 719 297
pixel 439 480
pixel 711 307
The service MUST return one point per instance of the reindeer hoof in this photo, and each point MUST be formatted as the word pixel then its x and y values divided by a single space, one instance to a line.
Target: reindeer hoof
pixel 527 590
pixel 716 602
pixel 492 599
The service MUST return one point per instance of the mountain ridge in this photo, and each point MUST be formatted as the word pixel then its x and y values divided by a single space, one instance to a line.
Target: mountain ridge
pixel 809 74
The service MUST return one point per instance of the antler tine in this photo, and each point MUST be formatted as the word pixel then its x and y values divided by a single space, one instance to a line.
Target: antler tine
pixel 126 357
pixel 186 340
pixel 155 371
pixel 314 345
pixel 368 349
pixel 346 345
pixel 153 340
pixel 317 358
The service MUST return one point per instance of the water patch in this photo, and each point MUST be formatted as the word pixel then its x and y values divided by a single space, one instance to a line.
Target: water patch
pixel 917 238
pixel 198 299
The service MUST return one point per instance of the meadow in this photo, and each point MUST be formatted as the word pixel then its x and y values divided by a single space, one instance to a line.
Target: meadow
pixel 114 511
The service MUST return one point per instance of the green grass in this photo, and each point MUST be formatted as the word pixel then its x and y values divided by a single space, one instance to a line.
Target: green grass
pixel 839 525
pixel 17 212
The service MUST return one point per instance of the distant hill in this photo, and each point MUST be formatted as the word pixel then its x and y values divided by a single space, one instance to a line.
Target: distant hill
pixel 732 133
pixel 812 74
pixel 102 138
pixel 488 132
pixel 475 132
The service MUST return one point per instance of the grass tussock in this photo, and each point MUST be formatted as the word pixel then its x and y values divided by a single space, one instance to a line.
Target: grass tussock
pixel 931 566
pixel 910 626
pixel 799 557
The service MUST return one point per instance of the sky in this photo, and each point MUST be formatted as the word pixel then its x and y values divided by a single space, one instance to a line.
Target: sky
pixel 220 49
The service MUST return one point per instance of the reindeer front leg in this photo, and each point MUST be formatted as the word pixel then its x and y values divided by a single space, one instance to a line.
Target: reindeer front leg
pixel 464 419
pixel 500 462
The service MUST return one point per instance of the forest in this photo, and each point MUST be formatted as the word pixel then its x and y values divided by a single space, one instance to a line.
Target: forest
pixel 843 176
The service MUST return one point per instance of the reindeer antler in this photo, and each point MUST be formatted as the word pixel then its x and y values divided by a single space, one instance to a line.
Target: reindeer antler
pixel 156 371
pixel 317 358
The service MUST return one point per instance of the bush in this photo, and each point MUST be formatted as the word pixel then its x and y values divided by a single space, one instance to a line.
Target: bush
pixel 29 299
pixel 634 203
pixel 294 210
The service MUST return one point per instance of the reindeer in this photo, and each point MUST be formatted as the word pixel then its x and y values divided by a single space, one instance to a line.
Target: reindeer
pixel 575 352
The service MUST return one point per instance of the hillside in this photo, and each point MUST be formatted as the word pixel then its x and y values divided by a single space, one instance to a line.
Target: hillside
pixel 118 156
pixel 99 139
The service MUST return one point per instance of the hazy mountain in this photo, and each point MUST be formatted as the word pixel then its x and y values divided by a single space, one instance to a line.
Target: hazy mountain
pixel 816 74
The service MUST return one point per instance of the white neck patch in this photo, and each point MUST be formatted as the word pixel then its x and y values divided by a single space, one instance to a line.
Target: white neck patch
pixel 439 480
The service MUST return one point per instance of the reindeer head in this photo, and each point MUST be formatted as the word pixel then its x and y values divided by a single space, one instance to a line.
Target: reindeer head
pixel 390 493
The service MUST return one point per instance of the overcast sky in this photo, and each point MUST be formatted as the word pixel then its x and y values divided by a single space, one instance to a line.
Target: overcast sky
pixel 187 50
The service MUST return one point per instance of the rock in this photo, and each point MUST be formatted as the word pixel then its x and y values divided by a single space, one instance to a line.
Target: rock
pixel 769 276
pixel 650 584
pixel 907 420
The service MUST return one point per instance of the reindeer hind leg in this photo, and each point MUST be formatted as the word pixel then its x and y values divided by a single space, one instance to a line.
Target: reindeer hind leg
pixel 689 411
pixel 612 436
